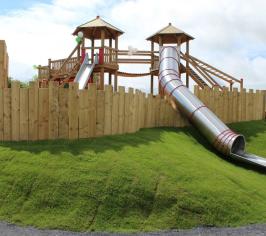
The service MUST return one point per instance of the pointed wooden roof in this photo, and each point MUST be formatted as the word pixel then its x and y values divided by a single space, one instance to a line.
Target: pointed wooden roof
pixel 92 29
pixel 169 34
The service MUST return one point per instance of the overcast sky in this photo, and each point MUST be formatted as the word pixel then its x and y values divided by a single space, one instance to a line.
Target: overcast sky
pixel 231 35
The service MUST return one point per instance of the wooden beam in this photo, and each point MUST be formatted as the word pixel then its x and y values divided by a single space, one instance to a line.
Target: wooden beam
pixel 133 61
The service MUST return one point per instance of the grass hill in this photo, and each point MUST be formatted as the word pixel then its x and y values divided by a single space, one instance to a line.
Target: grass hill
pixel 153 180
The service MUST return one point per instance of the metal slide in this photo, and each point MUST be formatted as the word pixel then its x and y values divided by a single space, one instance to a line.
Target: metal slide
pixel 217 133
pixel 84 73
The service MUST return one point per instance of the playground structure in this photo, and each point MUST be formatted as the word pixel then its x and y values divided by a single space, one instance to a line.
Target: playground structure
pixel 87 108
pixel 99 32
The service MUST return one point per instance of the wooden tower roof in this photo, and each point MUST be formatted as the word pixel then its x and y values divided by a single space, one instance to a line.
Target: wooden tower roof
pixel 169 34
pixel 92 29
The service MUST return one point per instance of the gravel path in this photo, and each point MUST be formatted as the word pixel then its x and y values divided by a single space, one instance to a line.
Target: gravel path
pixel 251 230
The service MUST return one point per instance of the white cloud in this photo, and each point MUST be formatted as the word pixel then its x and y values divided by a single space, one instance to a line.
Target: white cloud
pixel 227 32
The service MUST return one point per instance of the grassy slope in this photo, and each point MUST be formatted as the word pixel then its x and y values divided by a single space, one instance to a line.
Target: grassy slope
pixel 155 179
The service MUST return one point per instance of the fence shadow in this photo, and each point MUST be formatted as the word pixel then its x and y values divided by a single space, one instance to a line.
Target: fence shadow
pixel 96 145
pixel 118 142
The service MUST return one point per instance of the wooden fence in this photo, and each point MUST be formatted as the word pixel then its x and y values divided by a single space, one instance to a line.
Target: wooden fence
pixel 234 106
pixel 68 113
pixel 3 65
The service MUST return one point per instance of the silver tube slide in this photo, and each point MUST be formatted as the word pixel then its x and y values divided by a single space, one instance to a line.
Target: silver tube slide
pixel 216 132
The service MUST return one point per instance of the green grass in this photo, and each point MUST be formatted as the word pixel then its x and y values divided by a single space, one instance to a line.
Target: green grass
pixel 153 180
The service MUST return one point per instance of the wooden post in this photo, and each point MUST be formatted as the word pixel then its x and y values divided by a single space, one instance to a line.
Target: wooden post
pixel 102 37
pixel 102 44
pixel 161 92
pixel 187 64
pixel 152 65
pixel 49 68
pixel 110 50
pixel 102 69
pixel 110 79
pixel 151 89
pixel 78 52
pixel 116 58
pixel 115 81
pixel 92 50
pixel 241 84
pixel 152 54
pixel 116 49
pixel 231 86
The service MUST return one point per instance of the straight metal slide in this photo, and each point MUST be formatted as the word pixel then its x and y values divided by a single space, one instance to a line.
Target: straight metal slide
pixel 216 132
pixel 84 73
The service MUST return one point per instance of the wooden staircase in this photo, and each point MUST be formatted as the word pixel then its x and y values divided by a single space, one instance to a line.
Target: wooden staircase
pixel 209 72
pixel 197 78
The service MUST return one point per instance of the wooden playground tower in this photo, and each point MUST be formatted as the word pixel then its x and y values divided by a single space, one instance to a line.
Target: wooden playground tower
pixel 102 39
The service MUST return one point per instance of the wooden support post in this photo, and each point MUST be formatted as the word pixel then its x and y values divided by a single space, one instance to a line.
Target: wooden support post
pixel 78 52
pixel 231 86
pixel 152 65
pixel 92 50
pixel 102 44
pixel 241 84
pixel 49 69
pixel 116 49
pixel 151 90
pixel 110 79
pixel 187 64
pixel 152 55
pixel 115 81
pixel 102 37
pixel 161 92
pixel 110 50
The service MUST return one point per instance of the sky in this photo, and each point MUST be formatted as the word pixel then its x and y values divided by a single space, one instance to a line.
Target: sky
pixel 230 35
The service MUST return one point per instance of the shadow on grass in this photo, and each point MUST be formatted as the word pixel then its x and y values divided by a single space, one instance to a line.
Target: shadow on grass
pixel 143 137
pixel 250 129
pixel 97 145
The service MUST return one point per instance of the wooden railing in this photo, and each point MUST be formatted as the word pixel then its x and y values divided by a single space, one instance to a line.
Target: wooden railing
pixel 138 57
pixel 107 55
pixel 110 55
